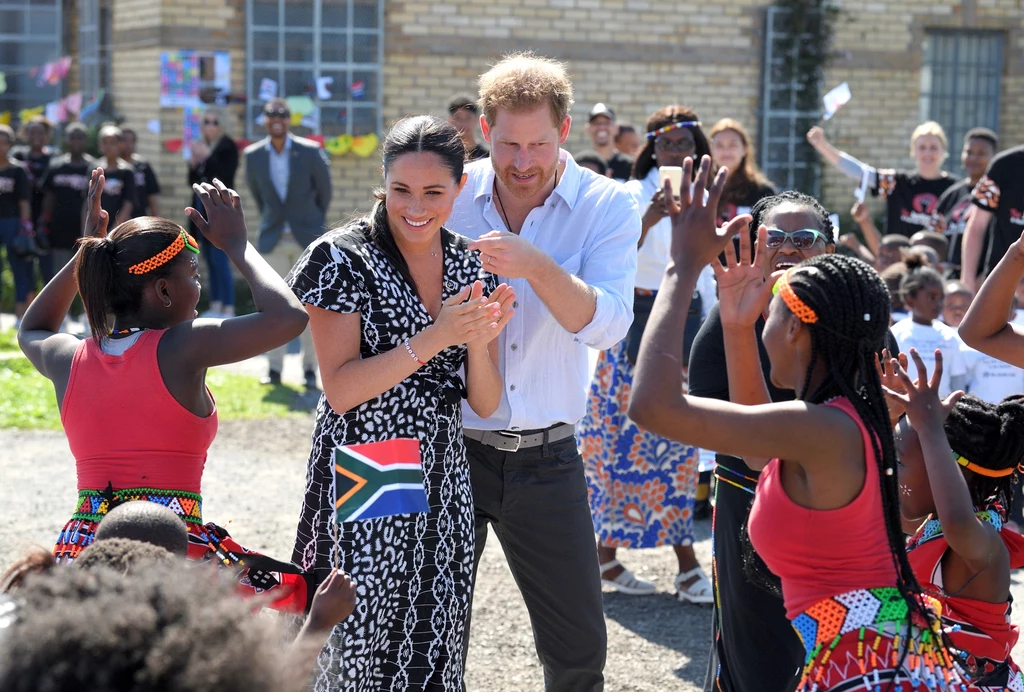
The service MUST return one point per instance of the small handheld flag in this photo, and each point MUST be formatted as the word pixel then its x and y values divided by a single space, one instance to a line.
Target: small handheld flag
pixel 836 99
pixel 378 479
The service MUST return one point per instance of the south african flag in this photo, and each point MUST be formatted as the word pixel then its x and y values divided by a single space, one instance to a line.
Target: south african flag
pixel 378 479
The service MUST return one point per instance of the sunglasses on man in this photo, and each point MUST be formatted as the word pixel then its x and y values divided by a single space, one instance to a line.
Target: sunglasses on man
pixel 803 239
pixel 277 113
pixel 212 122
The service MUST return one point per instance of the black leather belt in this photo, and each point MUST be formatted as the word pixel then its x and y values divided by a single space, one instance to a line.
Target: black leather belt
pixel 506 441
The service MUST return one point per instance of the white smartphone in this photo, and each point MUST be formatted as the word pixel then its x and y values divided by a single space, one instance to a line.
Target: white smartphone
pixel 675 176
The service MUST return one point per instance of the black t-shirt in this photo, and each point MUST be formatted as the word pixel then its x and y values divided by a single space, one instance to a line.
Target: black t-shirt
pixel 69 182
pixel 146 184
pixel 36 166
pixel 952 207
pixel 479 151
pixel 119 188
pixel 709 376
pixel 14 188
pixel 741 200
pixel 621 166
pixel 910 200
pixel 1001 192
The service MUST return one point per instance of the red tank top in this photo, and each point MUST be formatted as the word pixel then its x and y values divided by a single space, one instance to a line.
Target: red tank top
pixel 125 428
pixel 822 553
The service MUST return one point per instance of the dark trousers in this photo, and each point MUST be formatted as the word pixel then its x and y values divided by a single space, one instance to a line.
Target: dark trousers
pixel 536 502
pixel 755 648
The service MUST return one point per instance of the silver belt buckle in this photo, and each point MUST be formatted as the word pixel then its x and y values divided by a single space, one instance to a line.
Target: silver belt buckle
pixel 518 440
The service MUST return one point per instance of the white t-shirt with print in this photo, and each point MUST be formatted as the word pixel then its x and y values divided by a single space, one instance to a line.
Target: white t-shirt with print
pixel 991 379
pixel 925 339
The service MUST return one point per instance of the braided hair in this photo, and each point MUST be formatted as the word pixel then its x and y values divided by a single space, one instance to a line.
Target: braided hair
pixel 991 436
pixel 764 205
pixel 852 305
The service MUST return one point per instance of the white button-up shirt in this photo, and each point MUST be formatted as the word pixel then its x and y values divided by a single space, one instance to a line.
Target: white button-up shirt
pixel 280 171
pixel 590 226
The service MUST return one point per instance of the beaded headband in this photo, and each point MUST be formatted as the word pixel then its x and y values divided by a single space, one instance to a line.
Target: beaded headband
pixel 798 307
pixel 982 471
pixel 673 126
pixel 182 242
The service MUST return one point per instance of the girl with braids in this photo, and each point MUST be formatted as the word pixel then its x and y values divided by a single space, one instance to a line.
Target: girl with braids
pixel 747 617
pixel 959 460
pixel 847 584
pixel 133 398
pixel 620 457
pixel 397 309
pixel 922 293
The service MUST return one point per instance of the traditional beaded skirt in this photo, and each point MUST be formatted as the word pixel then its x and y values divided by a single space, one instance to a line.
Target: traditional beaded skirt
pixel 865 640
pixel 255 573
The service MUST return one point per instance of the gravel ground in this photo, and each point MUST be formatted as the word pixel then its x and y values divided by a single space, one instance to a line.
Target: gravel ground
pixel 253 486
pixel 256 471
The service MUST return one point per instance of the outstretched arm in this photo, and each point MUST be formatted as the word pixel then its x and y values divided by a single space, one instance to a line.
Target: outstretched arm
pixel 39 337
pixel 985 326
pixel 657 403
pixel 978 220
pixel 279 318
pixel 849 166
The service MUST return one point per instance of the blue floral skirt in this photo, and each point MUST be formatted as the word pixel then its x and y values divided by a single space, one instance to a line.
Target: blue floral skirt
pixel 642 486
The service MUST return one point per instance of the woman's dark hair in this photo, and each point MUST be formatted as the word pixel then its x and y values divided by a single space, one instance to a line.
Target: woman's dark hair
pixel 764 205
pixel 668 115
pixel 991 436
pixel 918 275
pixel 163 627
pixel 104 283
pixel 852 305
pixel 123 555
pixel 419 134
pixel 36 560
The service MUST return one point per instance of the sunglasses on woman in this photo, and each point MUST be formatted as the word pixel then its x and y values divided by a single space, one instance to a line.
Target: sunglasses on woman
pixel 802 239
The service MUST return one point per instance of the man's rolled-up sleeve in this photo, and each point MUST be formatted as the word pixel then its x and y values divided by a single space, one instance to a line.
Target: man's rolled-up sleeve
pixel 609 267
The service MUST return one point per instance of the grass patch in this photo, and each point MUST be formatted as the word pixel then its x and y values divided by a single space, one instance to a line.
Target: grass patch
pixel 8 340
pixel 27 400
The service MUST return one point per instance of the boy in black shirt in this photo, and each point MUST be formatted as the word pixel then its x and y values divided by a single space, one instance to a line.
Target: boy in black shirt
pixel 147 187
pixel 119 194
pixel 998 199
pixel 950 218
pixel 602 129
pixel 64 191
pixel 36 157
pixel 15 220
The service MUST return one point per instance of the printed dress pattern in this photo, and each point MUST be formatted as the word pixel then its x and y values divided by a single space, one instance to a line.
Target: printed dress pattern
pixel 413 572
pixel 642 486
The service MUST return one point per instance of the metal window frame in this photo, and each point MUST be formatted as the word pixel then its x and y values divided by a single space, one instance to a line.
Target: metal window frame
pixel 317 66
pixel 960 72
pixel 768 115
pixel 53 38
pixel 89 53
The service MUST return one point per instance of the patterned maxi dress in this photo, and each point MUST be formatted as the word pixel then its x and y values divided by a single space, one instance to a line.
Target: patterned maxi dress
pixel 412 572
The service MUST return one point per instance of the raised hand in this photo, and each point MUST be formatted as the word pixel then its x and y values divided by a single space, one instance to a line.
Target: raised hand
pixel 921 399
pixel 96 220
pixel 656 210
pixel 816 136
pixel 891 383
pixel 696 238
pixel 504 296
pixel 743 292
pixel 224 225
pixel 507 254
pixel 335 599
pixel 468 316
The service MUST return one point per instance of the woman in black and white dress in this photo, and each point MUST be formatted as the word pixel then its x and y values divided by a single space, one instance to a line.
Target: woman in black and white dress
pixel 398 305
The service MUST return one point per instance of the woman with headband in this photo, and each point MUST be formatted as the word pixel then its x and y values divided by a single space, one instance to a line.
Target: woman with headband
pixel 622 459
pixel 133 398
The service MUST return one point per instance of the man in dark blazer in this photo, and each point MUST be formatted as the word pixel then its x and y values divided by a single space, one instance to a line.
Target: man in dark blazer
pixel 290 180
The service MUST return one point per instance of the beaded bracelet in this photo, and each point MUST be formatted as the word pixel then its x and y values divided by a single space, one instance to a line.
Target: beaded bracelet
pixel 412 354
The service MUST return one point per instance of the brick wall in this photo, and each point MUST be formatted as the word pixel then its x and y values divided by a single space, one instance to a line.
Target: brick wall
pixel 635 55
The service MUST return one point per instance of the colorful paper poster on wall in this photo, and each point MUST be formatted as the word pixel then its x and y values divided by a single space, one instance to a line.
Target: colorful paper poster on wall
pixel 268 89
pixel 186 73
pixel 191 130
